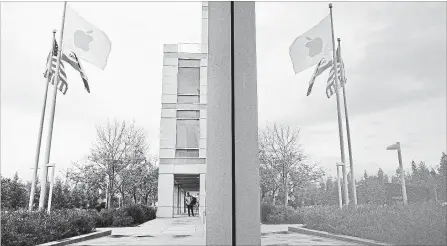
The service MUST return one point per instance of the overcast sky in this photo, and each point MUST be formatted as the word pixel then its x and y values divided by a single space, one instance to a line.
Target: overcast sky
pixel 394 54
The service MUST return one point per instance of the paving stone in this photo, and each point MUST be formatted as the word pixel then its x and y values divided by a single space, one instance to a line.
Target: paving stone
pixel 190 231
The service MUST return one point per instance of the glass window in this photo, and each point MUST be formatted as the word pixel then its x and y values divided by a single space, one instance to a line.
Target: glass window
pixel 186 153
pixel 188 99
pixel 189 63
pixel 188 133
pixel 188 114
pixel 188 81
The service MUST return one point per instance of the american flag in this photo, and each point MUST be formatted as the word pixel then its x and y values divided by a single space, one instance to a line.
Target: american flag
pixel 51 69
pixel 73 60
pixel 330 88
pixel 324 64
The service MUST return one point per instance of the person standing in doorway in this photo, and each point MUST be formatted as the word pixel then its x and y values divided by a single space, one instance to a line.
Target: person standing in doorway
pixel 189 204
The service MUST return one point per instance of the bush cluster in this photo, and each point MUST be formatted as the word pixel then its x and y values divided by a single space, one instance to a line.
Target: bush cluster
pixel 23 228
pixel 131 215
pixel 279 214
pixel 415 224
pixel 31 228
pixel 422 223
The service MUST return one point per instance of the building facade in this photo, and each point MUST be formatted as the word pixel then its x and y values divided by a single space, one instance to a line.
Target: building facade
pixel 182 166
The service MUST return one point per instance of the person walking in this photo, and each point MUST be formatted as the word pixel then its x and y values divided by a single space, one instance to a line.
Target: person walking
pixel 189 204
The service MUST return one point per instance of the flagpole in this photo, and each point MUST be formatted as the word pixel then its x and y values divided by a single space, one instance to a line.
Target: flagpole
pixel 50 195
pixel 340 202
pixel 43 189
pixel 39 138
pixel 340 126
pixel 348 132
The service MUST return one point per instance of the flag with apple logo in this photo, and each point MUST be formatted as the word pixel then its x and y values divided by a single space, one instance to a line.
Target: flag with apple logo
pixel 310 47
pixel 85 40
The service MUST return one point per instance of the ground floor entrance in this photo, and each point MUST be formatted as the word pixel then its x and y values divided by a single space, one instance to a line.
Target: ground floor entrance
pixel 173 190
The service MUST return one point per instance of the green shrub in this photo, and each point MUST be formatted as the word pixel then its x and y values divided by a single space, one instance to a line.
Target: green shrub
pixel 135 211
pixel 122 221
pixel 414 224
pixel 96 216
pixel 119 217
pixel 149 212
pixel 266 209
pixel 106 217
pixel 280 214
pixel 30 228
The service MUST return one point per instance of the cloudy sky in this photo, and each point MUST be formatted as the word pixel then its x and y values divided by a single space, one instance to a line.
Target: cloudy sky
pixel 394 53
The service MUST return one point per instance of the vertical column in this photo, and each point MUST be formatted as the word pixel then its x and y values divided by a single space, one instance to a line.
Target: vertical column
pixel 248 230
pixel 165 195
pixel 183 202
pixel 202 197
pixel 175 198
pixel 179 197
pixel 232 183
pixel 205 23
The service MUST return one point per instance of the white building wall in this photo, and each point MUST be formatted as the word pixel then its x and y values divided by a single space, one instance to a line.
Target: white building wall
pixel 169 164
pixel 165 195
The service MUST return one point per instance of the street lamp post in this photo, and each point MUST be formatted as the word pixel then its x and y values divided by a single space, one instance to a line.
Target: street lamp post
pixel 339 164
pixel 396 146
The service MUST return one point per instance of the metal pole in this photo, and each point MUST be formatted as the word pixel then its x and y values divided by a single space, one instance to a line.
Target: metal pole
pixel 402 174
pixel 39 138
pixel 50 195
pixel 340 126
pixel 43 190
pixel 348 133
pixel 340 204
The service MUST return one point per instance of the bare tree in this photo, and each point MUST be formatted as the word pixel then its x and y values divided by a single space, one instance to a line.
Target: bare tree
pixel 136 180
pixel 118 147
pixel 283 163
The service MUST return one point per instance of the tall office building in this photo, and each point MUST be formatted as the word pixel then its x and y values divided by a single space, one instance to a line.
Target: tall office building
pixel 182 166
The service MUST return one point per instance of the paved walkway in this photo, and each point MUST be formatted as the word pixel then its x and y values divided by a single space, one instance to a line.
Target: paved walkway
pixel 190 231
pixel 161 231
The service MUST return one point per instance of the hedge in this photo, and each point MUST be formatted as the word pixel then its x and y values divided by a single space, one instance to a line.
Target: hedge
pixel 423 223
pixel 127 216
pixel 23 228
pixel 271 214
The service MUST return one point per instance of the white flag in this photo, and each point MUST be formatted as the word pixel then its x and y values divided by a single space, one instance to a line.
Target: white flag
pixel 87 41
pixel 308 49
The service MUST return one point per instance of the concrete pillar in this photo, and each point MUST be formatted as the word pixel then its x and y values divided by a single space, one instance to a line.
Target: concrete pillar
pixel 205 23
pixel 183 202
pixel 232 182
pixel 165 195
pixel 175 198
pixel 202 196
pixel 179 204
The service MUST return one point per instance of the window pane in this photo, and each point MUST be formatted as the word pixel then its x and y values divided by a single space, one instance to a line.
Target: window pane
pixel 188 80
pixel 188 133
pixel 188 63
pixel 188 99
pixel 189 114
pixel 186 153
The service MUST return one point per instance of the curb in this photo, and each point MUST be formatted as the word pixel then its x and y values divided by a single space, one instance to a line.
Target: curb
pixel 78 239
pixel 336 236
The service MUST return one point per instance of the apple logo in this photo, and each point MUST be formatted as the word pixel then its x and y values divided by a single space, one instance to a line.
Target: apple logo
pixel 82 40
pixel 315 46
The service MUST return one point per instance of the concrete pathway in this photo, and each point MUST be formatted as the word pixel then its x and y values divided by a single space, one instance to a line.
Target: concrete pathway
pixel 190 231
pixel 162 231
pixel 278 235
